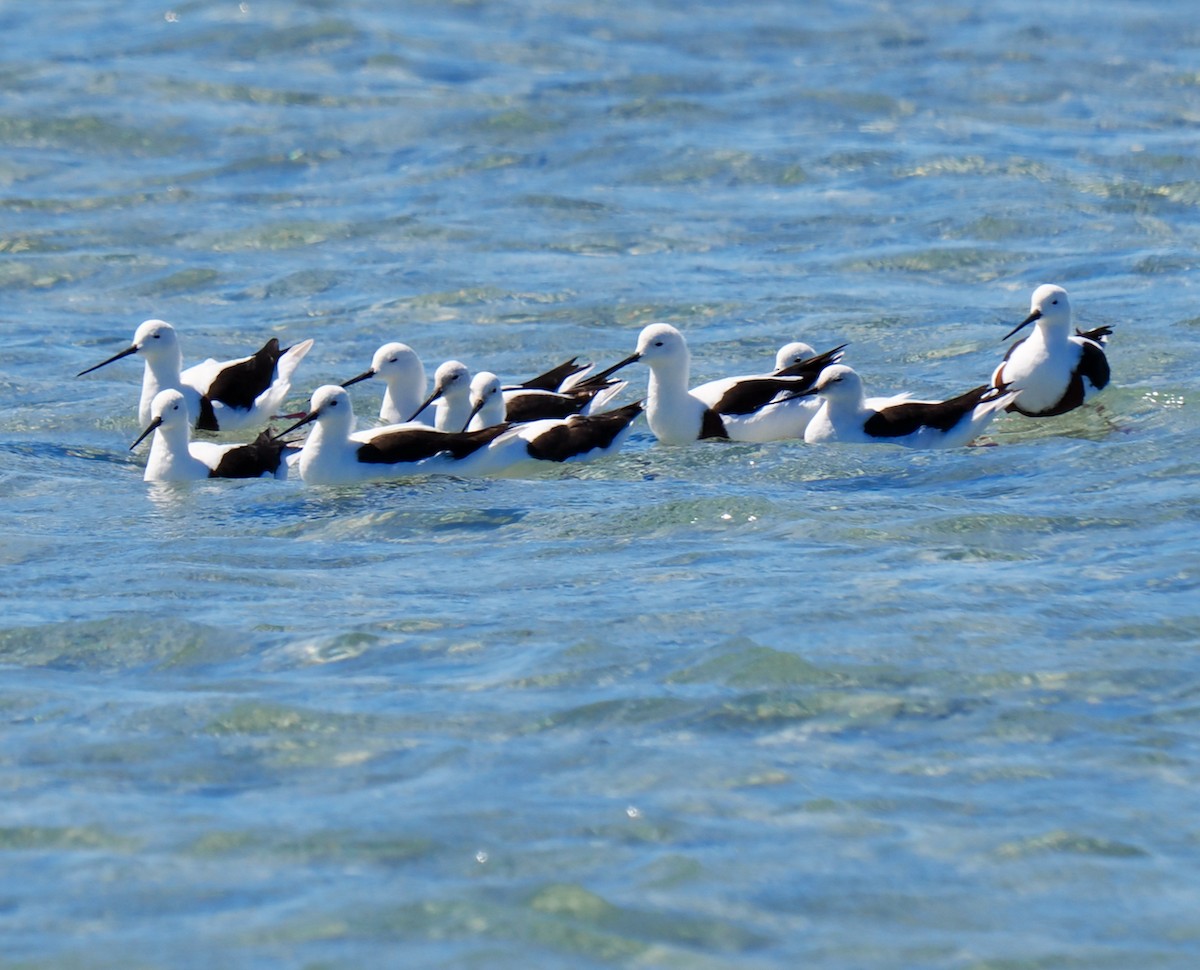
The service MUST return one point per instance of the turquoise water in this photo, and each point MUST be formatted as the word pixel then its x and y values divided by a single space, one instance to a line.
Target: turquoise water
pixel 728 706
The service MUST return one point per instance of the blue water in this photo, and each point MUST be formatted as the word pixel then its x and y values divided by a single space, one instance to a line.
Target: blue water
pixel 714 707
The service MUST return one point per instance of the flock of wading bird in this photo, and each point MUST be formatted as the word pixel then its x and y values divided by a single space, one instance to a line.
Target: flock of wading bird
pixel 479 426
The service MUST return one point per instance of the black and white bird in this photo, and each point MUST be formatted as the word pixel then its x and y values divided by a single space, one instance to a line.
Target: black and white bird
pixel 221 395
pixel 334 453
pixel 751 408
pixel 846 416
pixel 1052 370
pixel 175 458
pixel 574 438
pixel 576 394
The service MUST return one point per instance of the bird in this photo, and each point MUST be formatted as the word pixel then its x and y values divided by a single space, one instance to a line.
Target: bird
pixel 846 416
pixel 221 395
pixel 1052 370
pixel 334 453
pixel 576 437
pixel 401 370
pixel 452 396
pixel 752 408
pixel 173 458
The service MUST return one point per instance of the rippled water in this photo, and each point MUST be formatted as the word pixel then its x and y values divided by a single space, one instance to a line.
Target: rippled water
pixel 729 706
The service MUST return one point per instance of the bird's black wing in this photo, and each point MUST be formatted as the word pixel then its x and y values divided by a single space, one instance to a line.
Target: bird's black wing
pixel 263 456
pixel 582 433
pixel 553 378
pixel 417 444
pixel 904 419
pixel 520 408
pixel 237 385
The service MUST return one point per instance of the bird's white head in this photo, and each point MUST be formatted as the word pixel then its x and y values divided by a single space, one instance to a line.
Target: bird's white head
pixel 452 380
pixel 169 408
pixel 487 399
pixel 794 353
pixel 1049 308
pixel 330 407
pixel 660 343
pixel 397 361
pixel 838 382
pixel 155 339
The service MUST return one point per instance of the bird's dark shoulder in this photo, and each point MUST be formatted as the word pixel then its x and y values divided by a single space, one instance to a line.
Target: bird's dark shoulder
pixel 711 425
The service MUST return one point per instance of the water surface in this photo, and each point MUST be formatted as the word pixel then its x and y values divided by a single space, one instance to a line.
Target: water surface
pixel 729 706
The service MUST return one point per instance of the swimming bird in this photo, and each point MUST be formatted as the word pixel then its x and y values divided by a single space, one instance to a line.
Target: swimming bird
pixel 845 415
pixel 173 458
pixel 403 374
pixel 750 408
pixel 334 453
pixel 1053 370
pixel 576 437
pixel 221 395
pixel 452 396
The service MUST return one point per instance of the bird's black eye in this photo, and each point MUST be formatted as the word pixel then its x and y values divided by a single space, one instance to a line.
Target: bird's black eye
pixel 658 343
pixel 393 360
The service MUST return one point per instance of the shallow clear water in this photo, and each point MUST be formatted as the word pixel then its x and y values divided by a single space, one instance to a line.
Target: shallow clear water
pixel 743 706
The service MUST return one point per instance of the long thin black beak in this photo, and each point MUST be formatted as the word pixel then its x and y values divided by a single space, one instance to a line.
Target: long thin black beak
pixel 311 416
pixel 365 375
pixel 124 353
pixel 631 359
pixel 149 428
pixel 811 392
pixel 478 406
pixel 1036 315
pixel 437 392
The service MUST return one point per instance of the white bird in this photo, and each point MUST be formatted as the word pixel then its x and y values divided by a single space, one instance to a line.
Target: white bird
pixel 846 416
pixel 174 458
pixel 750 408
pixel 334 453
pixel 221 395
pixel 1053 370
pixel 403 374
